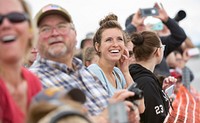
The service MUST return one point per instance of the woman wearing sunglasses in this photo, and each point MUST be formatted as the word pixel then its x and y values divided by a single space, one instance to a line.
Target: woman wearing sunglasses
pixel 17 85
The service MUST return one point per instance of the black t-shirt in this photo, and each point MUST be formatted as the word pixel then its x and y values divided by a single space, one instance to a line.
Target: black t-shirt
pixel 156 102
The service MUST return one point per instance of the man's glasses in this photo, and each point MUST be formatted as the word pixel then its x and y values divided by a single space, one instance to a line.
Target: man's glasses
pixel 14 17
pixel 61 28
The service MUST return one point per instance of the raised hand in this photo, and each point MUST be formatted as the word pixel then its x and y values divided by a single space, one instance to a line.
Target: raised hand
pixel 162 14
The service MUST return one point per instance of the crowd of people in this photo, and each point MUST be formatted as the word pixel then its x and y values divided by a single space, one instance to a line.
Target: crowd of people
pixel 44 78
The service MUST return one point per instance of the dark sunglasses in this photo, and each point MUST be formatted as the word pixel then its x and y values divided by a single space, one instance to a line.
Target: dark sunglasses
pixel 15 17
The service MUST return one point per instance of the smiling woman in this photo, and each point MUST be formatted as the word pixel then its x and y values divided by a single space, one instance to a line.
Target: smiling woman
pixel 17 84
pixel 109 42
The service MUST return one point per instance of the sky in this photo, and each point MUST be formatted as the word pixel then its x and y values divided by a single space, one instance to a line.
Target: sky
pixel 86 14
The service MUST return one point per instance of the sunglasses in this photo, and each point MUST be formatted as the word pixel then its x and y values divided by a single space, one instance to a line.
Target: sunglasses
pixel 15 17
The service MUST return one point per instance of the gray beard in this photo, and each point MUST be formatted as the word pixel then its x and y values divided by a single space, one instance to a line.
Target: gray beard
pixel 54 54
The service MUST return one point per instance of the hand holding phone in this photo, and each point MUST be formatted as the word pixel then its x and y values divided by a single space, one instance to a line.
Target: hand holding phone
pixel 170 90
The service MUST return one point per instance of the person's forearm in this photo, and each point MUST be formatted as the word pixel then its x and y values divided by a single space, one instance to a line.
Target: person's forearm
pixel 128 78
pixel 176 31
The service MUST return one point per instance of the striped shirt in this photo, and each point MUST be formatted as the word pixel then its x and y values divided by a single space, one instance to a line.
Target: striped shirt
pixel 53 73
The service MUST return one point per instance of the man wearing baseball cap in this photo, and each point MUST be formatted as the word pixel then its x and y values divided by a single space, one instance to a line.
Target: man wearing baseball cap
pixel 52 9
pixel 57 65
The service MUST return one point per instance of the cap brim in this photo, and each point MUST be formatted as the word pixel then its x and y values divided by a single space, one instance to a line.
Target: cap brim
pixel 51 12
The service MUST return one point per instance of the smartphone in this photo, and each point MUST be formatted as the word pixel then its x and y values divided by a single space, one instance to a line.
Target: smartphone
pixel 170 90
pixel 149 12
pixel 117 113
pixel 193 52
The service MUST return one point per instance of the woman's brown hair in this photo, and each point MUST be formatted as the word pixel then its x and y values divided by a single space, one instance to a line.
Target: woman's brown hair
pixel 110 21
pixel 145 44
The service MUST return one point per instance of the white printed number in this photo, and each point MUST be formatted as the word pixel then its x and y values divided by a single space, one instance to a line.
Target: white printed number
pixel 159 109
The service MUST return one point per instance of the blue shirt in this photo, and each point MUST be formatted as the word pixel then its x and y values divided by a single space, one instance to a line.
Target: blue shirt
pixel 119 78
pixel 57 74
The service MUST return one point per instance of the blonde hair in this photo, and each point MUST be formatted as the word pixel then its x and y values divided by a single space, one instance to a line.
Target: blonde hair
pixel 32 41
pixel 32 28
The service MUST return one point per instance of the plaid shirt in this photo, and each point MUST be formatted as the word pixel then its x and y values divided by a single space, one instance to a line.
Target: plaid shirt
pixel 57 74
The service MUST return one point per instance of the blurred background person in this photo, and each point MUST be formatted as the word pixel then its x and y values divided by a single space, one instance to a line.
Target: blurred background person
pixel 17 84
pixel 31 57
pixel 85 43
pixel 177 36
pixel 184 93
pixel 90 56
pixel 56 105
pixel 177 62
pixel 129 46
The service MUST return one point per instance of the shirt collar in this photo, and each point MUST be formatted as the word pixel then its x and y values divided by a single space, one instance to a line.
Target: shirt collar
pixel 61 66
